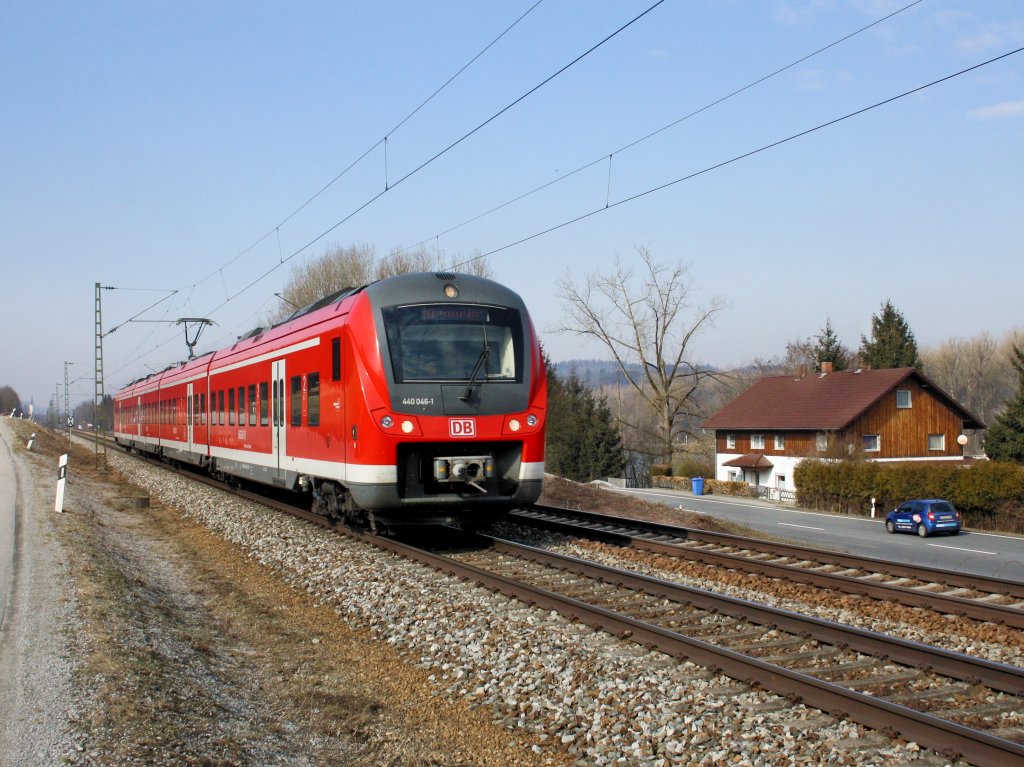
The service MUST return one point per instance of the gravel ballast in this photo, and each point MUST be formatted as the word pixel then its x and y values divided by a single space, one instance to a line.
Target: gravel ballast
pixel 584 695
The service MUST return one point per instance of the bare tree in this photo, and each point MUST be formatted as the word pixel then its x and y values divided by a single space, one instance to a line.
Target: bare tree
pixel 978 372
pixel 651 323
pixel 339 268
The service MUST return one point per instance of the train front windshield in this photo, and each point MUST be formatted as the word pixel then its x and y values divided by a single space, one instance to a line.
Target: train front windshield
pixel 449 342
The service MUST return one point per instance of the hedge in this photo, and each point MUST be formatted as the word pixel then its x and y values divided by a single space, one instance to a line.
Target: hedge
pixel 711 486
pixel 989 494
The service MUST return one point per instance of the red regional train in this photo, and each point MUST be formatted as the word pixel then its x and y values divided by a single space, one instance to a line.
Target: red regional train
pixel 419 398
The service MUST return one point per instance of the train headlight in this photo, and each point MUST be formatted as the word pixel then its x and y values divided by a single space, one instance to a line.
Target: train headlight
pixel 514 424
pixel 531 420
pixel 387 422
pixel 407 427
pixel 451 291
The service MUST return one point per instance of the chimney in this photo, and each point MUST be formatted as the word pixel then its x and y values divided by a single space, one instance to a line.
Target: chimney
pixel 826 367
pixel 801 370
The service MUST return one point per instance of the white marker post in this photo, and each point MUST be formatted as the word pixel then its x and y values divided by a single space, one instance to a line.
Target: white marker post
pixel 30 441
pixel 62 473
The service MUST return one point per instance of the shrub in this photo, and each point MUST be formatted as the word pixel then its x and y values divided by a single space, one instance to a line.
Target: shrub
pixel 988 493
pixel 694 466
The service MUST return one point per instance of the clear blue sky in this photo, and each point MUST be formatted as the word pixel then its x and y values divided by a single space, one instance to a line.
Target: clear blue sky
pixel 146 145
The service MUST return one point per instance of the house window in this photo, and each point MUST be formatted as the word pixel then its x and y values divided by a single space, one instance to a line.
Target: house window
pixel 821 441
pixel 730 441
pixel 780 481
pixel 936 441
pixel 780 442
pixel 903 398
pixel 872 443
pixel 757 442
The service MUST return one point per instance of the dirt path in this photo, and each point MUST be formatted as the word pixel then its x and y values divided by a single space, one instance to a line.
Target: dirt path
pixel 186 653
pixel 37 641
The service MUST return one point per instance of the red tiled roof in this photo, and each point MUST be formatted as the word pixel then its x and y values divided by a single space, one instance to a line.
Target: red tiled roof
pixel 820 402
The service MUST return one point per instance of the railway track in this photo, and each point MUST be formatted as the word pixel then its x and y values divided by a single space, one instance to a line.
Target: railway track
pixel 944 591
pixel 959 706
pixel 953 703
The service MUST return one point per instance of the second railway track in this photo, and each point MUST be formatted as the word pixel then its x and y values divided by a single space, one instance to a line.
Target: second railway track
pixel 945 591
pixel 950 702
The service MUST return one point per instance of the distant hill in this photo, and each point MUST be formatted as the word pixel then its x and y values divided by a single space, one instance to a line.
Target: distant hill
pixel 594 373
pixel 598 373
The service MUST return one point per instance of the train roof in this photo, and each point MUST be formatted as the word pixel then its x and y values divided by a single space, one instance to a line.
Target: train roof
pixel 411 288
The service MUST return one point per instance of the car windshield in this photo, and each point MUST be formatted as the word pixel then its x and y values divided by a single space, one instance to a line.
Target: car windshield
pixel 447 342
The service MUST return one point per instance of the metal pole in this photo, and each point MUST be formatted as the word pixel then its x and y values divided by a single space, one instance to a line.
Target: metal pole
pixel 101 446
pixel 67 411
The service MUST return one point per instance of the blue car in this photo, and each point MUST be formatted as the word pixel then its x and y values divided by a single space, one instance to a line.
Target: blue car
pixel 924 517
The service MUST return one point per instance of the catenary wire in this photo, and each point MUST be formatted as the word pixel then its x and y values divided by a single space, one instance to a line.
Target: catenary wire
pixel 438 155
pixel 363 156
pixel 734 159
pixel 652 134
pixel 739 157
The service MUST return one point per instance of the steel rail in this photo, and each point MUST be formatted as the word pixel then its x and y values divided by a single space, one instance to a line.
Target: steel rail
pixel 998 676
pixel 948 737
pixel 912 597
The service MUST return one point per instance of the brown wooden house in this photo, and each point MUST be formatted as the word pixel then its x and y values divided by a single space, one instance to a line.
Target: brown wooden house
pixel 889 415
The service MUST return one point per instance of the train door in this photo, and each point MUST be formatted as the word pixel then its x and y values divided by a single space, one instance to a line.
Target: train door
pixel 188 416
pixel 138 416
pixel 277 413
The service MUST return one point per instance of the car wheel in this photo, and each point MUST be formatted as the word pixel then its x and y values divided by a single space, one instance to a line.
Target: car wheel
pixel 922 531
pixel 889 526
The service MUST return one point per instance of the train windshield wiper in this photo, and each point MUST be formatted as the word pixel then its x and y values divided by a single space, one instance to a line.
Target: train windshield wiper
pixel 468 391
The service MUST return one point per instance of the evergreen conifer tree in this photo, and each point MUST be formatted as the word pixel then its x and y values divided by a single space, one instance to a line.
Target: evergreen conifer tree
pixel 583 442
pixel 892 343
pixel 1005 438
pixel 829 349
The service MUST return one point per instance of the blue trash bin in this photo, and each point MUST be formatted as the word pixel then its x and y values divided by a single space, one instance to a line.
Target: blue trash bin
pixel 697 485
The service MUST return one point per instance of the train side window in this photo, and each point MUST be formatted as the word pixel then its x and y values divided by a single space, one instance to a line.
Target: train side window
pixel 313 396
pixel 220 407
pixel 335 359
pixel 296 400
pixel 252 404
pixel 202 409
pixel 188 410
pixel 231 407
pixel 241 406
pixel 264 404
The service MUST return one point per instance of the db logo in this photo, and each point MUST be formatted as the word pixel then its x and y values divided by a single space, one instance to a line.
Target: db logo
pixel 462 427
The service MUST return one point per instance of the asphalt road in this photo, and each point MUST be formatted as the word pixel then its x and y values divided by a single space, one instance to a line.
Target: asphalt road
pixel 1000 556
